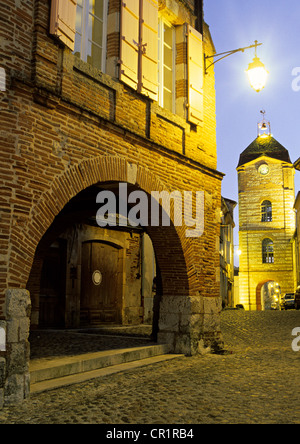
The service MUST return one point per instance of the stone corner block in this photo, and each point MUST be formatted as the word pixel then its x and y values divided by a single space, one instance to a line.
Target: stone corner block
pixel 15 389
pixel 18 303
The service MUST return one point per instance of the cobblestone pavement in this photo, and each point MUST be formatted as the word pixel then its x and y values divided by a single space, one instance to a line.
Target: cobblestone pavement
pixel 258 382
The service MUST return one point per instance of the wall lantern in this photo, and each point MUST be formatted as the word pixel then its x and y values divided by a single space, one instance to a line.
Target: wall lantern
pixel 257 72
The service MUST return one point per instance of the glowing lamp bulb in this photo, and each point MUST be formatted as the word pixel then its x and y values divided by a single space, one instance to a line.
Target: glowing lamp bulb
pixel 257 74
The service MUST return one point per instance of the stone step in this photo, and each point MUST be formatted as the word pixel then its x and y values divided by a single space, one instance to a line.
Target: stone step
pixel 65 381
pixel 64 368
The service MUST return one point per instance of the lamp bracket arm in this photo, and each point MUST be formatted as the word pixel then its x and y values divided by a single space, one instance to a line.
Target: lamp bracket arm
pixel 226 54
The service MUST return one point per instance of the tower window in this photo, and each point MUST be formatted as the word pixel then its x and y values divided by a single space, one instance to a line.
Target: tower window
pixel 266 211
pixel 268 251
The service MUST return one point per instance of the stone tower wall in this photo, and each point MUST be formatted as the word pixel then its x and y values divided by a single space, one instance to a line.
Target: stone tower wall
pixel 254 189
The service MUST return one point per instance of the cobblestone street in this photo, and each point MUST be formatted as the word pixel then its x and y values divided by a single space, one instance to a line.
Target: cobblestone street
pixel 257 381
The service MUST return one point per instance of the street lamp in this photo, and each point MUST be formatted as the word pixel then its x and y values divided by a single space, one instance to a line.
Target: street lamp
pixel 257 72
pixel 238 251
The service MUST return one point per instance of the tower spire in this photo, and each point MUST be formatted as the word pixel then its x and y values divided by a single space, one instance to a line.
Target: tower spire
pixel 263 127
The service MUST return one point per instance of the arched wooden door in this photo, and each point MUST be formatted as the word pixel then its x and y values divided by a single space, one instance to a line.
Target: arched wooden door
pixel 101 283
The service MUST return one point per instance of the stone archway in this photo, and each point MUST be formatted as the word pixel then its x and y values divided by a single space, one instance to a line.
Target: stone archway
pixel 189 316
pixel 260 303
pixel 103 169
pixel 258 295
pixel 182 308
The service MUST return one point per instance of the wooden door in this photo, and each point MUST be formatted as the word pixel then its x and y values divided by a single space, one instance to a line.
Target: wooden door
pixel 100 284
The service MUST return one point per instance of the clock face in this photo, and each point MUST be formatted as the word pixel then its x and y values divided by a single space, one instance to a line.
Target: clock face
pixel 264 169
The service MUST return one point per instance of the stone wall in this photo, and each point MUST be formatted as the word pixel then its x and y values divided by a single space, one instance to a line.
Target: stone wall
pixel 297 240
pixel 14 361
pixel 254 189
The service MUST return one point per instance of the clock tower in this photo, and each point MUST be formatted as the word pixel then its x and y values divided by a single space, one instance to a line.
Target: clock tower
pixel 266 222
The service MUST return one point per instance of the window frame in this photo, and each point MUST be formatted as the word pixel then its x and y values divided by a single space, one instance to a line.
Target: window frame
pixel 268 256
pixel 85 37
pixel 161 65
pixel 266 211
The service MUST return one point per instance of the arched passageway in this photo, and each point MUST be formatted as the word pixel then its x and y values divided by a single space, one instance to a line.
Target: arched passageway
pixel 173 250
pixel 187 315
pixel 100 275
pixel 268 295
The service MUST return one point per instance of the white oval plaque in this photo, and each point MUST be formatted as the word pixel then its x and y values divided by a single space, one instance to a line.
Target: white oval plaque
pixel 97 277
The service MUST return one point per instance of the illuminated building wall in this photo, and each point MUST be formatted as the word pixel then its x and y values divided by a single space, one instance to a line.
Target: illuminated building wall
pixel 266 221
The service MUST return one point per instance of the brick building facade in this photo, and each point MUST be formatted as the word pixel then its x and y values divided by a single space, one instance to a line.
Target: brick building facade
pixel 81 109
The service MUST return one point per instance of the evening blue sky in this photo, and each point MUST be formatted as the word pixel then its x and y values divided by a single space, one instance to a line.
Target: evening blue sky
pixel 238 23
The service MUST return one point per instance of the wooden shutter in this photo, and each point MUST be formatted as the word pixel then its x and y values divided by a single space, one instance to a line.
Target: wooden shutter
pixel 129 48
pixel 63 21
pixel 195 76
pixel 149 53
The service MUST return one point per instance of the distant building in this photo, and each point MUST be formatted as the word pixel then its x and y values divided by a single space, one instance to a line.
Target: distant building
pixel 296 243
pixel 297 232
pixel 267 222
pixel 227 252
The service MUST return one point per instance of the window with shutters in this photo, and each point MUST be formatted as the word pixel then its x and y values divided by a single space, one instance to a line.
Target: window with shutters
pixel 139 49
pixel 91 31
pixel 166 65
pixel 62 21
pixel 148 58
